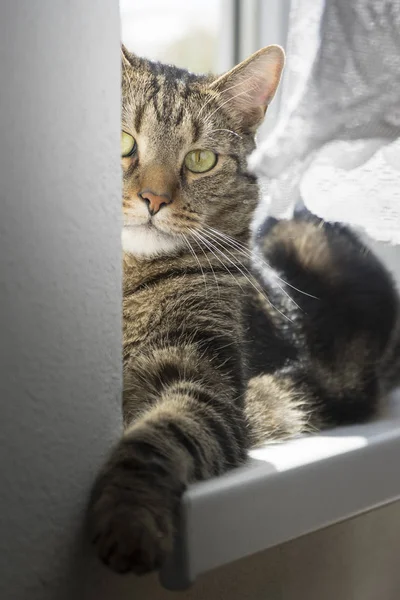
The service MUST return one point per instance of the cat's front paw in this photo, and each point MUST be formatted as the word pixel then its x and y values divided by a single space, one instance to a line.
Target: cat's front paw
pixel 132 517
pixel 128 536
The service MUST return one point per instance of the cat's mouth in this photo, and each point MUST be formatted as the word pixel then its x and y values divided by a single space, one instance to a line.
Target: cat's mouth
pixel 148 240
pixel 148 227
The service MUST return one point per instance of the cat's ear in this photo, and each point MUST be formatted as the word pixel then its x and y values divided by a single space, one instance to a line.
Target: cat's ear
pixel 249 87
pixel 128 59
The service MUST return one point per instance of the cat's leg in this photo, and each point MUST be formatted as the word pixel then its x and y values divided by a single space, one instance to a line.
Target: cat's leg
pixel 342 316
pixel 276 408
pixel 189 426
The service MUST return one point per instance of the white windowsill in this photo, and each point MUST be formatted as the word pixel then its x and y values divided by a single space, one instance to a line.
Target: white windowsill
pixel 286 491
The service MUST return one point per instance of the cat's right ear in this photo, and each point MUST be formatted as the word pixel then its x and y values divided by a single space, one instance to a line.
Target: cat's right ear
pixel 248 88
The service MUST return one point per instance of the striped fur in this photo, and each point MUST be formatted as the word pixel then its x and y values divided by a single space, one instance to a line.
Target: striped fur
pixel 228 343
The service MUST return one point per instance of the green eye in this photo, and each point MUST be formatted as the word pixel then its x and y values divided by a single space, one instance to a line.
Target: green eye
pixel 128 144
pixel 200 161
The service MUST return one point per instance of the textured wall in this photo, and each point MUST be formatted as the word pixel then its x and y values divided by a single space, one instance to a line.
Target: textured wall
pixel 60 340
pixel 354 560
pixel 60 278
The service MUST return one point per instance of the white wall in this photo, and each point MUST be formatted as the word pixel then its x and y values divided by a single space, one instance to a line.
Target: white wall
pixel 60 277
pixel 60 342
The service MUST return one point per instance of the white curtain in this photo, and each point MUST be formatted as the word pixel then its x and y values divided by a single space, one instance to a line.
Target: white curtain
pixel 336 148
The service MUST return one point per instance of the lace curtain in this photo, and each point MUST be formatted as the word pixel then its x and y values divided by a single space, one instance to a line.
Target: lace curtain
pixel 336 147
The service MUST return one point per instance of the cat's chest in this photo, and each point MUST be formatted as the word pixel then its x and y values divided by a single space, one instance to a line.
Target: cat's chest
pixel 146 315
pixel 142 313
pixel 149 300
pixel 141 308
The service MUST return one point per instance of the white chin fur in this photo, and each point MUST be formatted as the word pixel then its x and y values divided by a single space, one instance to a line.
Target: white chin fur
pixel 140 241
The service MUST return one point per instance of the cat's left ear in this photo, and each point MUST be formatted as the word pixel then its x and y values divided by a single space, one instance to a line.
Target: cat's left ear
pixel 128 59
pixel 249 87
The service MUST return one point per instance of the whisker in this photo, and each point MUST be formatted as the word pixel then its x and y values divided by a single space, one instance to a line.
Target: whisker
pixel 241 248
pixel 227 130
pixel 211 267
pixel 206 103
pixel 243 93
pixel 197 235
pixel 218 94
pixel 232 87
pixel 198 261
pixel 247 274
pixel 262 261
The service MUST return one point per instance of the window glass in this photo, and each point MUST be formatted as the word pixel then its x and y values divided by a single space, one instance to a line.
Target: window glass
pixel 180 32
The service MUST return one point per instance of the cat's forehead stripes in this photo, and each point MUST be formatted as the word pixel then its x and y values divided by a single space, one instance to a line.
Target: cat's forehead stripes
pixel 166 90
pixel 172 96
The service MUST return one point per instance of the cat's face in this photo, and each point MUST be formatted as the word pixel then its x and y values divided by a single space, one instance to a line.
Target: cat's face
pixel 184 146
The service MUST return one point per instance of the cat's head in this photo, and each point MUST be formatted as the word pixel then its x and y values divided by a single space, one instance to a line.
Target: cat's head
pixel 185 142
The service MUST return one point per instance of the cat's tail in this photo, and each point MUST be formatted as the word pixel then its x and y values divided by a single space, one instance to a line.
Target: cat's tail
pixel 307 397
pixel 390 367
pixel 344 325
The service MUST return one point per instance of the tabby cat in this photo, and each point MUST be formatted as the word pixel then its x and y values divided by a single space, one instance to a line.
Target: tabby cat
pixel 229 341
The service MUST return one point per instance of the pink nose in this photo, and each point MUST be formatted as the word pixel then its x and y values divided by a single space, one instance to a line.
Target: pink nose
pixel 154 201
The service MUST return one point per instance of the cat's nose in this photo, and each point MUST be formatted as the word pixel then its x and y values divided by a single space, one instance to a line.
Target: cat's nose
pixel 154 201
